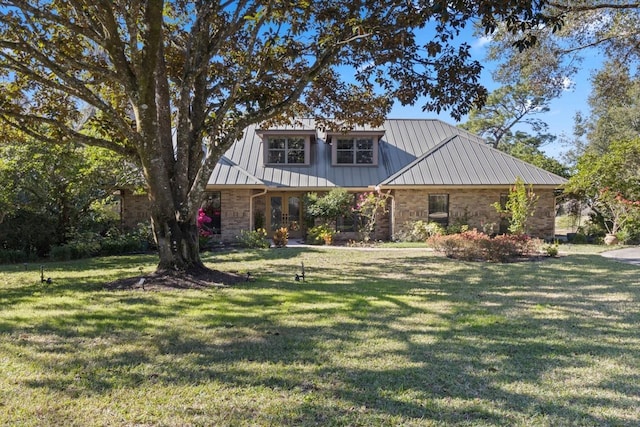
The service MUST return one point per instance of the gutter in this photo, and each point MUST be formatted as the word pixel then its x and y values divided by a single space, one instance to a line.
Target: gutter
pixel 392 220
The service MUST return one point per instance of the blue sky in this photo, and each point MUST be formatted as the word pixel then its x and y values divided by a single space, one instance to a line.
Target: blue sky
pixel 560 118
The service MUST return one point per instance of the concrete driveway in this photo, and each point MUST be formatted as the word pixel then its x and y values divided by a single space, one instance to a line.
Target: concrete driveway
pixel 628 255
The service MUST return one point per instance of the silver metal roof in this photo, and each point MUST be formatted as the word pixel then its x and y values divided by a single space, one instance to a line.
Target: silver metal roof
pixel 412 152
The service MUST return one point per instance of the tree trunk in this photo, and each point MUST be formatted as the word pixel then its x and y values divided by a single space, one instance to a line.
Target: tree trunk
pixel 178 245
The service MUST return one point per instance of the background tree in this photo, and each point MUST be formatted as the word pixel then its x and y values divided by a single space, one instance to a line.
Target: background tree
pixel 174 83
pixel 601 177
pixel 505 108
pixel 615 109
pixel 501 119
pixel 577 27
pixel 49 191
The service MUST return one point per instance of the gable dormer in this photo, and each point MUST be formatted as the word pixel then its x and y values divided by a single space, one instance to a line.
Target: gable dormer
pixel 357 148
pixel 287 147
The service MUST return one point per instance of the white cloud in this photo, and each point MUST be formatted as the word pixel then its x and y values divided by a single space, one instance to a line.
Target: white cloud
pixel 482 42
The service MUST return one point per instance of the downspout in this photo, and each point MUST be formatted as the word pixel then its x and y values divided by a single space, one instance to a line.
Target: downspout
pixel 392 220
pixel 251 216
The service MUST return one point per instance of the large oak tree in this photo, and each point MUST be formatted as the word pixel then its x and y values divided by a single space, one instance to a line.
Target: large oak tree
pixel 172 84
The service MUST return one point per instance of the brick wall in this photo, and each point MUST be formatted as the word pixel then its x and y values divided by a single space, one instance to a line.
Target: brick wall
pixel 473 207
pixel 234 211
pixel 235 214
pixel 465 205
pixel 134 209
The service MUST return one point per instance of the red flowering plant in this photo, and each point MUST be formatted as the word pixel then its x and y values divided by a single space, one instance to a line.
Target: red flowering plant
pixel 369 205
pixel 203 219
pixel 205 233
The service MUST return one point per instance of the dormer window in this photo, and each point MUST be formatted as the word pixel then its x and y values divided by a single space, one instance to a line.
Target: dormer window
pixel 287 147
pixel 286 150
pixel 359 150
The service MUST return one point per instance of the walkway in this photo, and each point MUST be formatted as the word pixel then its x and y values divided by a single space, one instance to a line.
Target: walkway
pixel 628 255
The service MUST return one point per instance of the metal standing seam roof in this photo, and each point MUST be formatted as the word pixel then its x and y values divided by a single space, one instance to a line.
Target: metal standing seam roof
pixel 412 152
pixel 228 173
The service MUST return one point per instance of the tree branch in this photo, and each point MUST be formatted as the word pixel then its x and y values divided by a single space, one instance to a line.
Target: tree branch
pixel 20 122
pixel 571 7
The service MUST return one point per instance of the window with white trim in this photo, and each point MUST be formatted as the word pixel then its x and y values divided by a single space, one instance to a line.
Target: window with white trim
pixel 290 150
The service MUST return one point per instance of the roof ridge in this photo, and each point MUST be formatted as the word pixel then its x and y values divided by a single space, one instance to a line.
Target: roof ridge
pixel 419 159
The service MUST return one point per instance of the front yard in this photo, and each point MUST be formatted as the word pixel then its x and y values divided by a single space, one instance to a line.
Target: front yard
pixel 384 337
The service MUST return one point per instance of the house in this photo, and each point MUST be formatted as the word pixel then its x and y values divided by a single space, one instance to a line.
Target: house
pixel 432 171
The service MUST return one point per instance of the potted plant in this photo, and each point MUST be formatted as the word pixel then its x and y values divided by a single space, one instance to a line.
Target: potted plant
pixel 617 211
pixel 281 237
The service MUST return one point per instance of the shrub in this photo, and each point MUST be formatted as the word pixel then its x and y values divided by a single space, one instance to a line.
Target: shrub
pixel 30 232
pixel 320 235
pixel 457 228
pixel 418 231
pixel 551 249
pixel 253 239
pixel 474 245
pixel 60 253
pixel 117 245
pixel 468 245
pixel 81 245
pixel 281 237
pixel 579 239
pixel 327 207
pixel 75 250
pixel 502 248
pixel 12 256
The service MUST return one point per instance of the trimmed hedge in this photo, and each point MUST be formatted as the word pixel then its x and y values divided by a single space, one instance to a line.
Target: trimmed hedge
pixel 474 245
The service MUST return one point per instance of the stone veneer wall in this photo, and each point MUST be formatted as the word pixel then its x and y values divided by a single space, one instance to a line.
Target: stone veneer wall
pixel 472 206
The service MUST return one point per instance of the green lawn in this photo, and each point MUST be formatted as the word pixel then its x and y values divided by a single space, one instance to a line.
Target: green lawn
pixel 385 337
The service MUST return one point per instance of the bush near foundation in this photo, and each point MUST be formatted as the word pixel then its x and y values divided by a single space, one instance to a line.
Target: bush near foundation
pixel 474 245
pixel 256 239
pixel 418 231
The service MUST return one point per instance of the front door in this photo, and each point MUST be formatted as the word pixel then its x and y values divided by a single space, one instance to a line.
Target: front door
pixel 285 210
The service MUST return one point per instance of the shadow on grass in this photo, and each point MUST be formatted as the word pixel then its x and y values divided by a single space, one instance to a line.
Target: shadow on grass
pixel 406 338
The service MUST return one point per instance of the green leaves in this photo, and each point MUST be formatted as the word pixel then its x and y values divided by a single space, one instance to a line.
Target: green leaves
pixel 520 206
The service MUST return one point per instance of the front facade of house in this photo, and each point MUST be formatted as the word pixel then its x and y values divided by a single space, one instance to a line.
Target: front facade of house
pixel 432 171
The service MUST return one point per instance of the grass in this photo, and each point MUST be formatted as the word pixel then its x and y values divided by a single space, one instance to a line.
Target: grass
pixel 371 338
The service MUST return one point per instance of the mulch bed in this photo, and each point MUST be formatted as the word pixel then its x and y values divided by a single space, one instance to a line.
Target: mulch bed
pixel 177 280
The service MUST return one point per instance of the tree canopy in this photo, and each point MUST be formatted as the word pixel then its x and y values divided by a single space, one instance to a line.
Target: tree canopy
pixel 172 84
pixel 609 182
pixel 49 191
pixel 506 111
pixel 615 108
pixel 580 26
pixel 505 108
